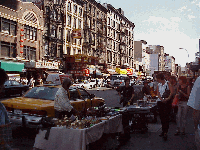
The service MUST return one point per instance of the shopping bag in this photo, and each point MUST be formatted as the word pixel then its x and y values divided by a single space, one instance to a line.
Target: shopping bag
pixel 175 101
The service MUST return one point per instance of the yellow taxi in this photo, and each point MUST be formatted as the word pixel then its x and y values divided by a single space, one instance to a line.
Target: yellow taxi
pixel 38 102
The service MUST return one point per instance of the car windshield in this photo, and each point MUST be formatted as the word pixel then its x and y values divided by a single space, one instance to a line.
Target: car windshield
pixel 47 93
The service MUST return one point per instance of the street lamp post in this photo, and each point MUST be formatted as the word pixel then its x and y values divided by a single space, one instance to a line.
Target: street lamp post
pixel 186 51
pixel 188 58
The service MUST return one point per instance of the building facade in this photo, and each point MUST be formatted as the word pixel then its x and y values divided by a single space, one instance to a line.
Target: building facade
pixel 21 30
pixel 120 38
pixel 94 32
pixel 54 20
pixel 73 27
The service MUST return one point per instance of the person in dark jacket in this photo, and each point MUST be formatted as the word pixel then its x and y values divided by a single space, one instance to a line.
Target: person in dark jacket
pixel 146 89
pixel 126 93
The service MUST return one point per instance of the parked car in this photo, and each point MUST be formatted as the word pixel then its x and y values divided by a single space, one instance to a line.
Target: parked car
pixel 84 84
pixel 13 88
pixel 93 83
pixel 38 103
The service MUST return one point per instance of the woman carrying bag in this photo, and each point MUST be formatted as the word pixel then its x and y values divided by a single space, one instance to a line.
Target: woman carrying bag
pixel 164 91
pixel 183 92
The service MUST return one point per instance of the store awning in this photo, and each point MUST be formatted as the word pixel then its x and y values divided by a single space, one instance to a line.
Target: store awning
pixel 11 66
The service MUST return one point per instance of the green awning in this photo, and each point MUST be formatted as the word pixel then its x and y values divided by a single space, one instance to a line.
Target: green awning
pixel 11 66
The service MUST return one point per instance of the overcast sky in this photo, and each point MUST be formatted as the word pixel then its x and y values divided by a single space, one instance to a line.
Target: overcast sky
pixel 173 24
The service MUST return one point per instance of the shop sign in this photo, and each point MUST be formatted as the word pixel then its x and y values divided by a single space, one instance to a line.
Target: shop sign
pixel 121 71
pixel 46 64
pixel 129 71
pixel 87 72
pixel 78 58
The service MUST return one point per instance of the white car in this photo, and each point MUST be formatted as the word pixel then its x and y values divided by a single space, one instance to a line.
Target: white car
pixel 87 85
pixel 84 84
pixel 93 83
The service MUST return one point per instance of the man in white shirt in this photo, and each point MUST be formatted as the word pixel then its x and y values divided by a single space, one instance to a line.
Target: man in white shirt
pixel 62 104
pixel 194 102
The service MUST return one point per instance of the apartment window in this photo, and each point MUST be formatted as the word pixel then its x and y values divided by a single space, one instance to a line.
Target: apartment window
pixel 89 8
pixel 97 14
pixel 69 20
pixel 53 31
pixel 89 22
pixel 94 12
pixel 29 53
pixel 93 23
pixel 68 36
pixel 93 39
pixel 80 11
pixel 79 23
pixel 69 6
pixel 75 23
pixel 8 26
pixel 75 9
pixel 30 33
pixel 108 21
pixel 74 51
pixel 8 50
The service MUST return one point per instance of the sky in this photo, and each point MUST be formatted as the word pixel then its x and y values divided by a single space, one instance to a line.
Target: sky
pixel 173 24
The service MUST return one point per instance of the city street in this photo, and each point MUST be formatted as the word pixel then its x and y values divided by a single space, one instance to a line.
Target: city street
pixel 24 138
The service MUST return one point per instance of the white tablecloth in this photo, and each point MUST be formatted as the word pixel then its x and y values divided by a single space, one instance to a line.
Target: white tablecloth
pixel 114 124
pixel 61 138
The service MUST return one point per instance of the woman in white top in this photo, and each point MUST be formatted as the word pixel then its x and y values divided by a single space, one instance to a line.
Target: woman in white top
pixel 164 91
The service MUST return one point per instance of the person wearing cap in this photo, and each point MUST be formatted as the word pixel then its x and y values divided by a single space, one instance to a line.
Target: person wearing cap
pixel 62 104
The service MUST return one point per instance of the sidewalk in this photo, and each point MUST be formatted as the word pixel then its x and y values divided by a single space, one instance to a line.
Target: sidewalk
pixel 152 141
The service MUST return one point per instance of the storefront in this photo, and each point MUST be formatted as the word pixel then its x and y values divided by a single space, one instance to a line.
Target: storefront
pixel 39 69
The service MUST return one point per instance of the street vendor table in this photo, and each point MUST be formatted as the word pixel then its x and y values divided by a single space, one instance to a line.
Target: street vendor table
pixel 137 115
pixel 61 138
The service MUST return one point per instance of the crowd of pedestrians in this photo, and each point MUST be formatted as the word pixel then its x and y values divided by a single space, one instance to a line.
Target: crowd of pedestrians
pixel 169 87
pixel 187 90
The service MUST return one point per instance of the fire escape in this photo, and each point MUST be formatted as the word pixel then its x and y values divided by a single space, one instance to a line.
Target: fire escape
pixel 54 28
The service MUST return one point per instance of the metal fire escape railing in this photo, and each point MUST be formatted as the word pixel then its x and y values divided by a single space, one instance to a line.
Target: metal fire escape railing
pixel 54 21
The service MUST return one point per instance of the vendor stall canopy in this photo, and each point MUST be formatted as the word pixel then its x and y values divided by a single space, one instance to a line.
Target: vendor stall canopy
pixel 11 66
